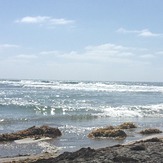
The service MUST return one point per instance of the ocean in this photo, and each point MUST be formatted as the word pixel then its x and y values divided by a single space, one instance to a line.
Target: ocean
pixel 76 108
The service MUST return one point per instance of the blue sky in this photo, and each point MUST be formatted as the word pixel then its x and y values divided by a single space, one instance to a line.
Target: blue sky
pixel 112 40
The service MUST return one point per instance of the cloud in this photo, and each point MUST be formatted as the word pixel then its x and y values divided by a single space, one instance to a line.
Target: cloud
pixel 141 33
pixel 108 51
pixel 8 46
pixel 23 56
pixel 147 33
pixel 44 20
pixel 159 53
pixel 105 61
pixel 93 54
pixel 49 52
pixel 103 55
pixel 99 54
pixel 148 56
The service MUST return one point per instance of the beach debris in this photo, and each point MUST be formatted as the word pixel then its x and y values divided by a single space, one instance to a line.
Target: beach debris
pixel 150 131
pixel 34 132
pixel 127 125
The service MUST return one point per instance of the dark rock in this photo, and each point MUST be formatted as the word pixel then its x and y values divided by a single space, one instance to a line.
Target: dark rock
pixel 122 159
pixel 131 153
pixel 150 131
pixel 116 133
pixel 82 153
pixel 153 140
pixel 70 156
pixel 138 147
pixel 35 132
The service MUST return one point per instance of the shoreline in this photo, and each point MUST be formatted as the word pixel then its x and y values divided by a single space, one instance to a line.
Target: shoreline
pixel 147 146
pixel 149 149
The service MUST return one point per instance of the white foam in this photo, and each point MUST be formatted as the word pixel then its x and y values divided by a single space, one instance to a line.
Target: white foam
pixel 47 147
pixel 31 140
pixel 133 111
pixel 95 86
pixel 75 129
pixel 87 86
pixel 18 102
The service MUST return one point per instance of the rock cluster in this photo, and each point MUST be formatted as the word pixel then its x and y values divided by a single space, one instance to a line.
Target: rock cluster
pixel 110 131
pixel 118 131
pixel 149 149
pixel 34 132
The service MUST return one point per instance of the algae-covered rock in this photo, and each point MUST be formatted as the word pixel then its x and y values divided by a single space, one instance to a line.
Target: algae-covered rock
pixel 115 133
pixel 99 132
pixel 35 132
pixel 127 125
pixel 150 131
pixel 107 132
pixel 110 131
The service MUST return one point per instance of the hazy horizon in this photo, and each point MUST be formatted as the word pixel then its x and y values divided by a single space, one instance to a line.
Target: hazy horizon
pixel 110 40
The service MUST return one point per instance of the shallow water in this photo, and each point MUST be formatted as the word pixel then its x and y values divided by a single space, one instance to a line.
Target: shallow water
pixel 76 108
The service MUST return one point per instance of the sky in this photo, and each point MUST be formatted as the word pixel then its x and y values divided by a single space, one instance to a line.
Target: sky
pixel 108 40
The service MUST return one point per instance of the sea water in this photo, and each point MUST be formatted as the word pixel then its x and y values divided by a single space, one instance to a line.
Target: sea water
pixel 76 108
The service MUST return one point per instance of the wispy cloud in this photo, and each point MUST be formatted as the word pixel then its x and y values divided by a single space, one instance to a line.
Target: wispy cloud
pixel 7 46
pixel 44 20
pixel 102 54
pixel 108 51
pixel 96 54
pixel 99 54
pixel 141 33
pixel 105 60
pixel 148 56
pixel 23 56
pixel 159 53
pixel 49 52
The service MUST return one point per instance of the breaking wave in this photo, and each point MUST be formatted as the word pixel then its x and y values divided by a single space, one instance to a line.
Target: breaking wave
pixel 88 86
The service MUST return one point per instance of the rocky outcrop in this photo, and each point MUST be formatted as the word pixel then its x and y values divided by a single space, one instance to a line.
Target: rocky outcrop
pixel 34 132
pixel 142 151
